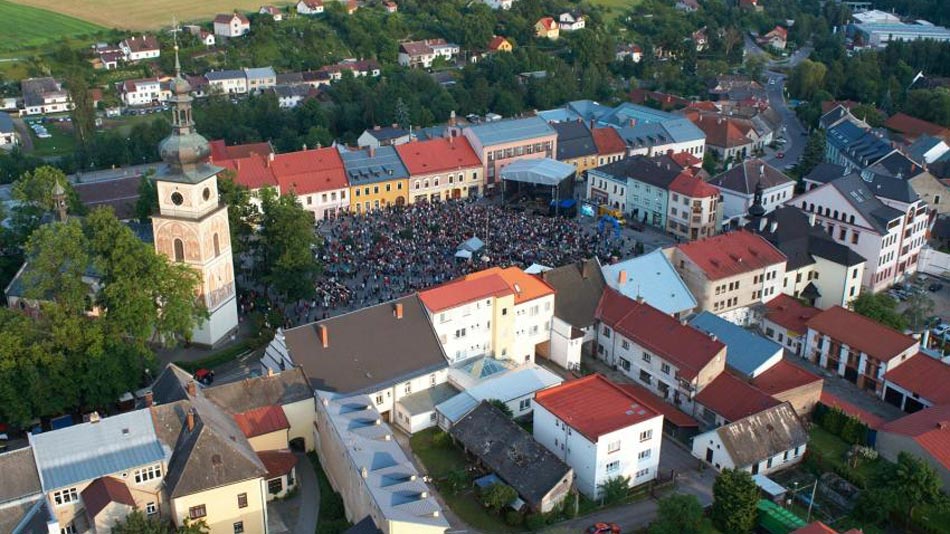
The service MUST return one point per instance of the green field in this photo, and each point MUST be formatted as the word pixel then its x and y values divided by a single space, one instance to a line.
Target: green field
pixel 28 27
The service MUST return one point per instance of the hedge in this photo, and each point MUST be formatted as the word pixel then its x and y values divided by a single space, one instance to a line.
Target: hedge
pixel 850 429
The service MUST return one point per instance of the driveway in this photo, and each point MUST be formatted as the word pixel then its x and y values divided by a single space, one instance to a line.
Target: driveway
pixel 676 458
pixel 298 514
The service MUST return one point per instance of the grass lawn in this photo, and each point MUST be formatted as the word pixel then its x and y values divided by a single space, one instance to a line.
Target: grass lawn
pixel 26 27
pixel 832 450
pixel 616 4
pixel 439 461
pixel 62 142
pixel 143 15
pixel 935 519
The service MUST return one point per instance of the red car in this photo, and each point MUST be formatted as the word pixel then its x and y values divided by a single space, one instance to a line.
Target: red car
pixel 780 155
pixel 603 528
pixel 205 376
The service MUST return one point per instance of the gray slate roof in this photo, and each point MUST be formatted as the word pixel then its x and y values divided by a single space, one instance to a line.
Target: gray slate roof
pixel 856 192
pixel 218 75
pixel 18 475
pixel 577 290
pixel 763 435
pixel 368 348
pixel 382 165
pixel 6 123
pixel 744 178
pixel 511 130
pixel 800 241
pixel 513 454
pixel 825 172
pixel 279 389
pixel 574 140
pixel 659 171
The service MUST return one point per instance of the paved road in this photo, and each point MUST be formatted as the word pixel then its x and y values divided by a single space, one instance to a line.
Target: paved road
pixel 26 134
pixel 309 495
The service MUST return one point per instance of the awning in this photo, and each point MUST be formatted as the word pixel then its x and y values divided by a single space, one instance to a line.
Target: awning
pixel 537 171
pixel 462 253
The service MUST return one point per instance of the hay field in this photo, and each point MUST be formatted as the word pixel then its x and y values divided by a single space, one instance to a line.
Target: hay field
pixel 27 27
pixel 145 14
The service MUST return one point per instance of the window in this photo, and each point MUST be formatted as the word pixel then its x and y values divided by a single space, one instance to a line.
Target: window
pixel 647 357
pixel 613 447
pixel 644 454
pixel 854 238
pixel 151 509
pixel 242 500
pixel 179 250
pixel 197 512
pixel 642 473
pixel 625 344
pixel 606 332
pixel 613 466
pixel 407 389
pixel 646 435
pixel 274 486
pixel 68 529
pixel 379 399
pixel 239 527
pixel 665 368
pixel 645 377
pixel 624 364
pixel 65 496
pixel 524 404
pixel 149 473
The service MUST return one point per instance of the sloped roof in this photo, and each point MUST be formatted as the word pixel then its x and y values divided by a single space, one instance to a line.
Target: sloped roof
pixel 511 452
pixel 924 376
pixel 746 176
pixel 732 253
pixel 353 361
pixel 309 171
pixel 790 313
pixel 685 347
pixel 105 490
pixel 438 155
pixel 855 191
pixel 18 475
pixel 733 398
pixel 913 127
pixel 763 435
pixel 930 428
pixel 789 229
pixel 748 351
pixel 260 421
pixel 221 151
pixel 659 171
pixel 693 187
pixel 574 140
pixel 373 166
pixel 511 130
pixel 594 406
pixel 861 333
pixel 252 172
pixel 496 42
pixel 669 412
pixel 782 377
pixel 277 462
pixel 873 421
pixel 652 277
pixel 608 141
pixel 282 388
pixel 492 282
pixel 577 287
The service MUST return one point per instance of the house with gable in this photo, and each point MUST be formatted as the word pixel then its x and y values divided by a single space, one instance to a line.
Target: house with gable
pixel 547 27
pixel 651 277
pixel 924 434
pixel 137 48
pixel 310 7
pixel 784 322
pixel 231 25
pixel 571 21
pixel 918 383
pixel 577 290
pixel 377 178
pixel 444 168
pixel 739 184
pixel 316 177
pixel 498 143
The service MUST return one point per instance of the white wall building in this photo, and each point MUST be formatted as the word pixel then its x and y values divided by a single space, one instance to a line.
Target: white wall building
pixel 738 187
pixel 762 443
pixel 232 25
pixel 227 82
pixel 601 430
pixel 143 92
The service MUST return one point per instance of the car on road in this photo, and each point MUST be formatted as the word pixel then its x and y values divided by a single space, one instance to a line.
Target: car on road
pixel 205 376
pixel 603 528
pixel 941 329
pixel 780 155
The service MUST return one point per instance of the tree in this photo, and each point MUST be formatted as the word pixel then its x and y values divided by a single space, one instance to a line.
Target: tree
pixel 900 488
pixel 919 307
pixel 138 523
pixel 614 489
pixel 287 246
pixel 678 514
pixel 242 215
pixel 806 79
pixel 147 203
pixel 498 496
pixel 502 407
pixel 735 496
pixel 880 307
pixel 83 113
pixel 814 152
pixel 33 192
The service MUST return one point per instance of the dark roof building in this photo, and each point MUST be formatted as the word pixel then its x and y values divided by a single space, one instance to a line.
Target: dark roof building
pixel 577 290
pixel 758 438
pixel 539 477
pixel 574 140
pixel 791 231
pixel 369 348
pixel 748 175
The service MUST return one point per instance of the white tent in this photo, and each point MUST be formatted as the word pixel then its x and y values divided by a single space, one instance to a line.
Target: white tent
pixel 473 244
pixel 545 171
pixel 465 254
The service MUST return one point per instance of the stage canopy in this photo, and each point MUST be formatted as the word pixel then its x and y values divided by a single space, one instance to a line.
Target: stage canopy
pixel 545 171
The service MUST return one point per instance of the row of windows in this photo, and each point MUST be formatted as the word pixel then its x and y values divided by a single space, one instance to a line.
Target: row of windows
pixel 435 181
pixel 389 187
pixel 519 151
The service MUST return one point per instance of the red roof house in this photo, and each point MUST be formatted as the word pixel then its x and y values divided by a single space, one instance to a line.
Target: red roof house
pixel 731 254
pixel 925 434
pixel 253 172
pixel 260 421
pixel 790 313
pixel 438 155
pixel 306 172
pixel 923 378
pixel 277 462
pixel 693 187
pixel 608 141
pixel 863 334
pixel 912 127
pixel 221 151
pixel 731 398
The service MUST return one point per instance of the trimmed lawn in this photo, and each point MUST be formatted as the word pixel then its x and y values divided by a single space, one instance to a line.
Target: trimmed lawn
pixel 832 450
pixel 62 142
pixel 439 461
pixel 938 521
pixel 26 27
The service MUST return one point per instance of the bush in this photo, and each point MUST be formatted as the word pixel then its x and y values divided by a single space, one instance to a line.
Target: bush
pixel 498 495
pixel 535 522
pixel 336 526
pixel 218 358
pixel 513 518
pixel 441 439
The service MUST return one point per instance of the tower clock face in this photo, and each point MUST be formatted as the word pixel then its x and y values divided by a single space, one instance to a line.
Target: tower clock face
pixel 177 199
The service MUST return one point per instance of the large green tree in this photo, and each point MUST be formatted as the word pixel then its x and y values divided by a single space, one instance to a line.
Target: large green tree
pixel 139 523
pixel 814 152
pixel 735 496
pixel 899 488
pixel 678 514
pixel 287 237
pixel 880 307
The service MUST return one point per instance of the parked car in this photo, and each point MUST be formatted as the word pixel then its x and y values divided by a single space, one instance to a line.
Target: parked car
pixel 941 329
pixel 780 155
pixel 205 376
pixel 603 528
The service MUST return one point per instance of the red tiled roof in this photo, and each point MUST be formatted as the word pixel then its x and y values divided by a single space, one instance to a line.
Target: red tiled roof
pixel 731 254
pixel 309 171
pixel 102 491
pixel 682 345
pixel 828 105
pixel 226 18
pixel 790 313
pixel 277 462
pixel 693 187
pixel 221 151
pixel 734 398
pixel 930 428
pixel 782 377
pixel 608 141
pixel 251 172
pixel 815 528
pixel 547 22
pixel 139 44
pixel 668 411
pixel 525 286
pixel 685 159
pixel 496 42
pixel 594 406
pixel 914 127
pixel 665 100
pixel 925 376
pixel 861 333
pixel 704 105
pixel 721 130
pixel 260 421
pixel 463 291
pixel 438 155
pixel 830 400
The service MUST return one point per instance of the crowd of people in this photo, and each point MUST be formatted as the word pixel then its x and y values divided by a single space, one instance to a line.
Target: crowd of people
pixel 379 256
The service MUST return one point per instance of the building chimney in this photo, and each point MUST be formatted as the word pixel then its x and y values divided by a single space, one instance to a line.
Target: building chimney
pixel 149 399
pixel 93 417
pixel 640 299
pixel 364 472
pixel 762 170
pixel 592 124
pixel 372 151
pixel 324 336
pixel 424 495
pixel 773 226
pixel 270 372
pixel 398 310
pixel 304 146
pixel 811 219
pixel 191 388
pixel 621 277
pixel 190 419
pixel 452 119
pixel 762 223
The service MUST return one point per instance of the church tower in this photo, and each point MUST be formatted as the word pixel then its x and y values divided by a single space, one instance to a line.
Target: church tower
pixel 192 225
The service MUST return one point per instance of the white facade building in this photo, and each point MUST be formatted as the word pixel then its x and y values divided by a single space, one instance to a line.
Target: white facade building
pixel 233 25
pixel 227 82
pixel 143 92
pixel 601 430
pixel 762 443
